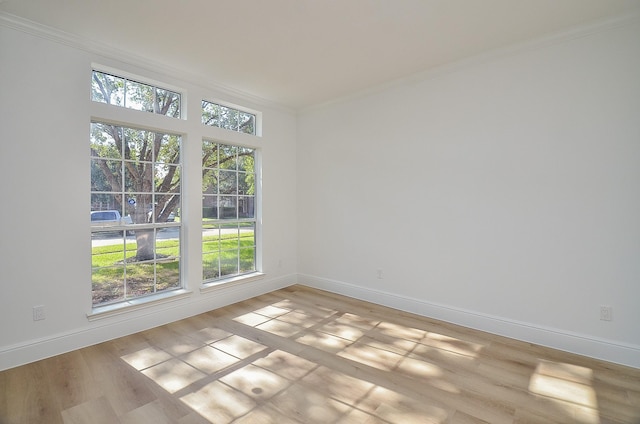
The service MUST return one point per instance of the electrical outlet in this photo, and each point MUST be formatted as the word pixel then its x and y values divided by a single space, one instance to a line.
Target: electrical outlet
pixel 379 273
pixel 606 313
pixel 38 313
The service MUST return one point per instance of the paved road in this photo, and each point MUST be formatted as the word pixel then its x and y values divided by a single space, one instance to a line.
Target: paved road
pixel 168 234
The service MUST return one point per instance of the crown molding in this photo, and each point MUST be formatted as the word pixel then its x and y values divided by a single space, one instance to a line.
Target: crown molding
pixel 573 33
pixel 110 52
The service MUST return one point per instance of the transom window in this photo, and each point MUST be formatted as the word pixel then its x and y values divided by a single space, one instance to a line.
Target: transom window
pixel 220 116
pixel 228 211
pixel 119 91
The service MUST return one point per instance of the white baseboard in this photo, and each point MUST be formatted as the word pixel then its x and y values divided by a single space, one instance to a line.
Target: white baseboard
pixel 607 350
pixel 138 320
pixel 34 350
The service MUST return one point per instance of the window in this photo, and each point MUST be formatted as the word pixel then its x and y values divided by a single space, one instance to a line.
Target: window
pixel 122 92
pixel 220 116
pixel 228 211
pixel 135 196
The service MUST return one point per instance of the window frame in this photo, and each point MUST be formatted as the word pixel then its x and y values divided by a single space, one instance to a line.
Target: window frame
pixel 257 122
pixel 209 283
pixel 189 126
pixel 117 115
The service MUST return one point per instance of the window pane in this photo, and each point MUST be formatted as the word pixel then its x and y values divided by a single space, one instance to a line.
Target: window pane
pixel 167 103
pixel 130 250
pixel 229 237
pixel 106 175
pixel 247 260
pixel 210 238
pixel 228 182
pixel 144 246
pixel 107 248
pixel 210 249
pixel 134 176
pixel 167 178
pixel 210 114
pixel 210 181
pixel 106 88
pixel 138 206
pixel 106 141
pixel 209 154
pixel 167 257
pixel 247 123
pixel 246 161
pixel 210 266
pixel 227 207
pixel 228 262
pixel 247 234
pixel 168 274
pixel 138 96
pixel 139 144
pixel 228 118
pixel 166 208
pixel 104 202
pixel 246 207
pixel 140 279
pixel 227 157
pixel 210 207
pixel 107 284
pixel 246 183
pixel 169 149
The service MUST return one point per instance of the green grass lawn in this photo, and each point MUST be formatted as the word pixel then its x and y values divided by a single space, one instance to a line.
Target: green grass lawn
pixel 220 258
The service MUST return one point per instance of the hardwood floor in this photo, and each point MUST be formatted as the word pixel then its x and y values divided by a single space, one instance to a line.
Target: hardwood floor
pixel 300 355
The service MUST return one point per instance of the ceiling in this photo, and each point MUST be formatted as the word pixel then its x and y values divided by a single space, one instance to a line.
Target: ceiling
pixel 297 53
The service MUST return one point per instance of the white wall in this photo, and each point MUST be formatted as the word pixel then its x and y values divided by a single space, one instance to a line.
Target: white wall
pixel 503 193
pixel 44 176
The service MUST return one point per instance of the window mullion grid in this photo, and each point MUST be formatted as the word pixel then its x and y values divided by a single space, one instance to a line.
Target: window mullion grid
pixel 154 101
pixel 122 195
pixel 154 212
pixel 124 100
pixel 238 247
pixel 236 222
pixel 219 251
pixel 237 199
pixel 155 260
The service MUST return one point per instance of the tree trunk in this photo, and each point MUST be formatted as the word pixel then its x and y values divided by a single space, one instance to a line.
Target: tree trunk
pixel 146 245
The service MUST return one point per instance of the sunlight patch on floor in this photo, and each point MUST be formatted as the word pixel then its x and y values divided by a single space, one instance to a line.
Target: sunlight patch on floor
pixel 452 344
pixel 173 375
pixel 218 402
pixel 147 357
pixel 569 387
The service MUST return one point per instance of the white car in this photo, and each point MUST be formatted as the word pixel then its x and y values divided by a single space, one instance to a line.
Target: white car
pixel 110 218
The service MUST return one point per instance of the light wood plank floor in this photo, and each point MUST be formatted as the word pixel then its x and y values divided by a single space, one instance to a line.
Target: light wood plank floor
pixel 300 355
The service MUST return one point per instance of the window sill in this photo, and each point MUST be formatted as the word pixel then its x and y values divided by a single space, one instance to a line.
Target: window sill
pixel 107 311
pixel 233 281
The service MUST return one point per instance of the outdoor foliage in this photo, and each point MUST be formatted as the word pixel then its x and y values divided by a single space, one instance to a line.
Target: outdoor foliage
pixel 228 118
pixel 118 275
